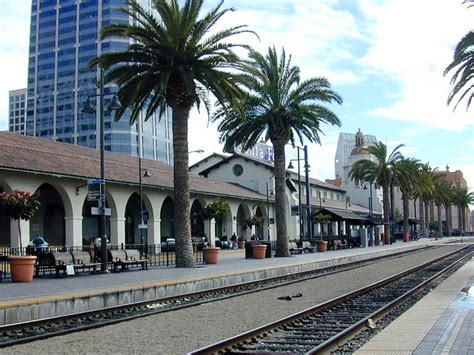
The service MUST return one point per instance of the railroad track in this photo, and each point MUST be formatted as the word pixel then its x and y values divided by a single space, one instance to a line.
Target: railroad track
pixel 328 326
pixel 25 332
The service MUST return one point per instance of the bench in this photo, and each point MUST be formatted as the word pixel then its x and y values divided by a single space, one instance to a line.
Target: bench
pixel 308 247
pixel 62 260
pixel 122 259
pixel 83 259
pixel 294 249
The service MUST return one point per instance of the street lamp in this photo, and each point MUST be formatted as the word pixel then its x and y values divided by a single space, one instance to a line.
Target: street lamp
pixel 142 224
pixel 268 210
pixel 308 190
pixel 88 108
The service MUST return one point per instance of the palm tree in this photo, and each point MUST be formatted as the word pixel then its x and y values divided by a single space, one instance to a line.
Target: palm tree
pixel 405 175
pixel 381 172
pixel 173 61
pixel 280 107
pixel 426 190
pixel 441 194
pixel 462 199
pixel 463 63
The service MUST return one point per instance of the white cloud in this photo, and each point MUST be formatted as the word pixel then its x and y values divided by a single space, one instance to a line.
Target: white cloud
pixel 412 43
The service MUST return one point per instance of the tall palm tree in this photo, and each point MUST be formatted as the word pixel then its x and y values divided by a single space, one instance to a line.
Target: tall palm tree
pixel 428 176
pixel 463 63
pixel 405 176
pixel 174 60
pixel 279 107
pixel 462 199
pixel 381 171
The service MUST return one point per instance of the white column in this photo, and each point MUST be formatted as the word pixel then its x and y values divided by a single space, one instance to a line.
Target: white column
pixel 212 232
pixel 154 231
pixel 25 233
pixel 117 230
pixel 73 231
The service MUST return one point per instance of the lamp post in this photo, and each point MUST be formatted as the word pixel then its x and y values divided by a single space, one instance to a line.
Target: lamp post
pixel 88 108
pixel 308 190
pixel 268 212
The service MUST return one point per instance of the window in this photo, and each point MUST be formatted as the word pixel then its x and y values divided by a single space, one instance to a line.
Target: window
pixel 237 169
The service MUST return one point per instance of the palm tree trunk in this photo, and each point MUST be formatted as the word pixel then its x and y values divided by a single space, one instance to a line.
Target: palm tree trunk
pixel 386 213
pixel 280 201
pixel 448 220
pixel 427 215
pixel 182 210
pixel 406 213
pixel 440 222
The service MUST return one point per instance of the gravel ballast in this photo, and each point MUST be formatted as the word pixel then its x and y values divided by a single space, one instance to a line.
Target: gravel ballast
pixel 178 332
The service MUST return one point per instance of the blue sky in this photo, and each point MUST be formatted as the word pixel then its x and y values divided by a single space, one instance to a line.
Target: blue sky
pixel 384 57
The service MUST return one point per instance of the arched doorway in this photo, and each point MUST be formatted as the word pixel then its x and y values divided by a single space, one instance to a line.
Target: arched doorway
pixel 5 233
pixel 49 220
pixel 91 223
pixel 132 219
pixel 259 229
pixel 197 223
pixel 167 219
pixel 243 214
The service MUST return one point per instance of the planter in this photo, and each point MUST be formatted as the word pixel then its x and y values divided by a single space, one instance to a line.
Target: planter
pixel 259 251
pixel 210 255
pixel 322 245
pixel 22 268
pixel 241 244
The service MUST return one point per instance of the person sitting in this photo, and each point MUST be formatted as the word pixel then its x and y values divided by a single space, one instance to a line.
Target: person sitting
pixel 234 240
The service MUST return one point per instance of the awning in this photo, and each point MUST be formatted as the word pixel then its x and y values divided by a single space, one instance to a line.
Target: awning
pixel 343 214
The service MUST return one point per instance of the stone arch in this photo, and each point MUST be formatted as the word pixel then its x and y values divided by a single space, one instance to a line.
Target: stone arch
pixel 197 223
pixel 260 229
pixel 49 221
pixel 133 235
pixel 91 222
pixel 243 213
pixel 167 219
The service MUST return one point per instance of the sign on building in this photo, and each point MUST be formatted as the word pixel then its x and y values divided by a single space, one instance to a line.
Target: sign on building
pixel 93 190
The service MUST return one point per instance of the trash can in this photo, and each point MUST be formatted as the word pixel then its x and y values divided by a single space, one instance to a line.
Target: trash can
pixel 268 251
pixel 248 251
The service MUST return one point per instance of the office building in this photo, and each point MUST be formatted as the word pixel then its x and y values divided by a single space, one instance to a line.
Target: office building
pixel 17 111
pixel 64 37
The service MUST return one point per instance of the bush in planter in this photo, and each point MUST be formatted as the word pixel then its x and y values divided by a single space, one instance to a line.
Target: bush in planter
pixel 19 205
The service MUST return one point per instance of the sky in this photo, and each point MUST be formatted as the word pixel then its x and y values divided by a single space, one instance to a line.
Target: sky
pixel 384 57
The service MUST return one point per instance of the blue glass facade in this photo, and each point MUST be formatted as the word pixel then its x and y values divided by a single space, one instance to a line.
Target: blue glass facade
pixel 64 37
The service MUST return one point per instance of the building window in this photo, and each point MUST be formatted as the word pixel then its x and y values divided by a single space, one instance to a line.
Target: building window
pixel 238 169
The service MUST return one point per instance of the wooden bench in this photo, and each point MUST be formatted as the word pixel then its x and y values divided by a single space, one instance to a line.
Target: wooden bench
pixel 83 259
pixel 294 249
pixel 122 259
pixel 63 259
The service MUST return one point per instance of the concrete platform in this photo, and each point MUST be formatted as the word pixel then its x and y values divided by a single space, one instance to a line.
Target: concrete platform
pixel 58 296
pixel 440 323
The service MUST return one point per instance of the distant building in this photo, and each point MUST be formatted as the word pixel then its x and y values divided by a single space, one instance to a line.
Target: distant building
pixel 17 111
pixel 64 37
pixel 350 149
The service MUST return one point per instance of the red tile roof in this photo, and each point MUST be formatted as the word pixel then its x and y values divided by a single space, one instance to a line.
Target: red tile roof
pixel 32 154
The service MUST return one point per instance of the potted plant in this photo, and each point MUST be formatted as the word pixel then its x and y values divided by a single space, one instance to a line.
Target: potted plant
pixel 258 249
pixel 322 219
pixel 217 210
pixel 20 205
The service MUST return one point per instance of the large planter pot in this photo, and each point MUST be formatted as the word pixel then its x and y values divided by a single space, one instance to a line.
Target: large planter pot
pixel 259 251
pixel 241 244
pixel 22 268
pixel 211 255
pixel 322 245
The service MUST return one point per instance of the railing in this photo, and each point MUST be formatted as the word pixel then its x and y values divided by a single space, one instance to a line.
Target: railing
pixel 159 255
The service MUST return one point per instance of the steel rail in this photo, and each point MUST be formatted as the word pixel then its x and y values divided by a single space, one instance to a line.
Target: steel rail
pixel 246 337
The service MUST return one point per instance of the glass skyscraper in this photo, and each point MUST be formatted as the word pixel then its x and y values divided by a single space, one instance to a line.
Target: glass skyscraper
pixel 64 37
